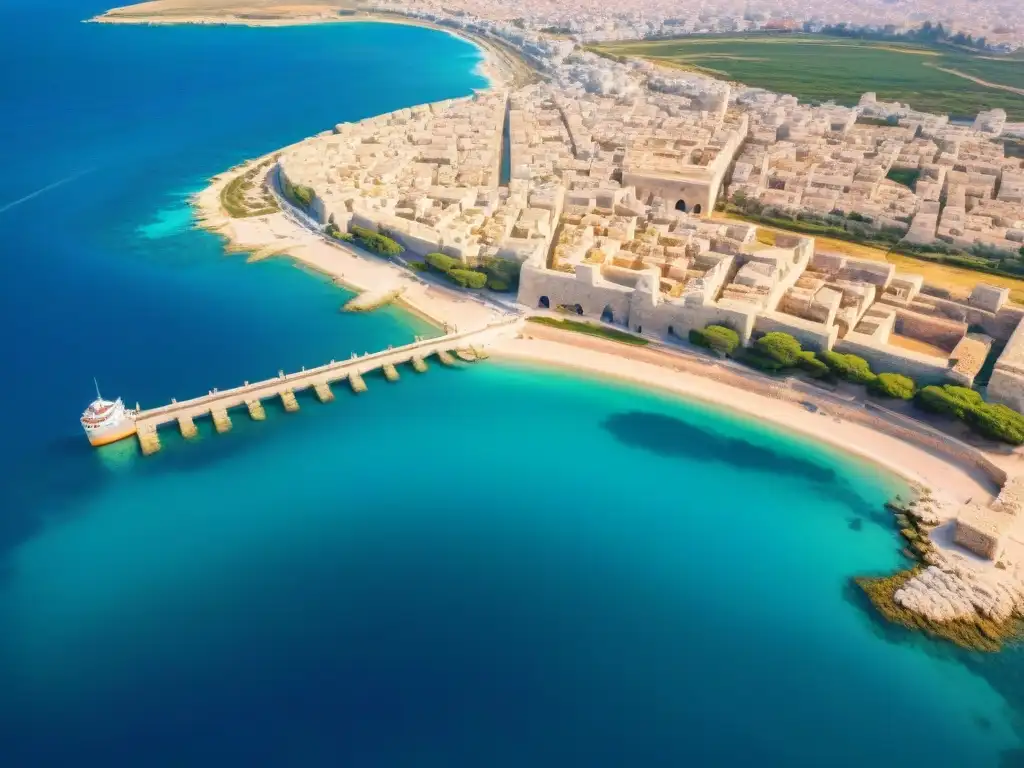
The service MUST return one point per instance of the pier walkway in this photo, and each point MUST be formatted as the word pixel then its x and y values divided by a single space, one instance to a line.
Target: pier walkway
pixel 218 402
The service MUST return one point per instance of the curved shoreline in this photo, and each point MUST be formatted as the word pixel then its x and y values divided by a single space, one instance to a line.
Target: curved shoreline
pixel 565 350
pixel 893 444
pixel 497 65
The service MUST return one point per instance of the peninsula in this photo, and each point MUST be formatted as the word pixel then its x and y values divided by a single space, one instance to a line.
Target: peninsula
pixel 589 190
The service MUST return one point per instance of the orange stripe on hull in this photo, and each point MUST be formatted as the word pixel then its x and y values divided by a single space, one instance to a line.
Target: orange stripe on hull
pixel 112 437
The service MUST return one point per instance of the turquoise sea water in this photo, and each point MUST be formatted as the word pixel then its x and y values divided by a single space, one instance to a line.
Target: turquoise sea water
pixel 495 566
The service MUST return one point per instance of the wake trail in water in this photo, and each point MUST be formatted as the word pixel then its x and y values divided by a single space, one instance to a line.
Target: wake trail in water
pixel 43 190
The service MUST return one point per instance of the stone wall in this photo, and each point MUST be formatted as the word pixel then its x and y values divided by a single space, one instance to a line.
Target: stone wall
pixel 938 331
pixel 692 192
pixel 923 369
pixel 818 337
pixel 584 287
pixel 981 530
pixel 1007 382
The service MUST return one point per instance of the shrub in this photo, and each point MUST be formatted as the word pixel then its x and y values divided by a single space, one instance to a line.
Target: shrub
pixel 467 278
pixel 755 359
pixel 812 365
pixel 848 367
pixel 949 400
pixel 441 262
pixel 333 231
pixel 298 194
pixel 893 385
pixel 376 242
pixel 501 272
pixel 778 347
pixel 998 422
pixel 722 340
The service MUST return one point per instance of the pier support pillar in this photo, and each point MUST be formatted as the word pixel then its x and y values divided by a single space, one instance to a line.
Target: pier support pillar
pixel 356 382
pixel 323 391
pixel 149 440
pixel 419 364
pixel 187 427
pixel 445 357
pixel 256 412
pixel 221 420
pixel 465 355
pixel 291 405
pixel 390 372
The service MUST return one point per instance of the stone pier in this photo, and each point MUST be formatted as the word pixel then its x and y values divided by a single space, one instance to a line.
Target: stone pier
pixel 216 403
pixel 323 392
pixel 291 405
pixel 149 441
pixel 221 420
pixel 187 426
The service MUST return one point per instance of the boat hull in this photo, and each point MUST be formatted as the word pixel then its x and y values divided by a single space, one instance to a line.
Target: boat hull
pixel 112 435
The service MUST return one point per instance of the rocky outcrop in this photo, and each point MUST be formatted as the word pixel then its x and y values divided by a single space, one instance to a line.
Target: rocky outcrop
pixel 960 594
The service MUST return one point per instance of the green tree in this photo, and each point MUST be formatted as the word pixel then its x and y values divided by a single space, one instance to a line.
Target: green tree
pixel 998 422
pixel 848 367
pixel 722 340
pixel 441 262
pixel 811 364
pixel 778 347
pixel 468 278
pixel 949 400
pixel 893 385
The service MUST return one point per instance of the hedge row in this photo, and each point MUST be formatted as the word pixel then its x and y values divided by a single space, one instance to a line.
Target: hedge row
pixel 722 340
pixel 376 242
pixel 993 420
pixel 777 351
pixel 497 274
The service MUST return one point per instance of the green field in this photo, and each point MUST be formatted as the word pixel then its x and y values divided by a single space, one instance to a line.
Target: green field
pixel 817 68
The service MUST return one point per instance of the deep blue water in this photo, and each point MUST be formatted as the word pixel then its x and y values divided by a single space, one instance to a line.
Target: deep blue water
pixel 494 566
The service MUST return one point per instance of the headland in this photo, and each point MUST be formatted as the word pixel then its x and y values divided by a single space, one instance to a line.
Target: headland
pixel 589 192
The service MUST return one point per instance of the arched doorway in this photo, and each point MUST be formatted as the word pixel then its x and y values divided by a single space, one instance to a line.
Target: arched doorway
pixel 544 303
pixel 608 316
pixel 578 309
pixel 697 209
pixel 671 331
pixel 681 205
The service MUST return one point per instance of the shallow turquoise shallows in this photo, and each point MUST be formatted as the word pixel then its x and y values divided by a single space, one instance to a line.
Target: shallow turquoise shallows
pixel 484 566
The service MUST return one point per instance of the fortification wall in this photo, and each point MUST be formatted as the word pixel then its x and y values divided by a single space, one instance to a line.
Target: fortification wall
pixel 815 336
pixel 564 288
pixel 680 318
pixel 921 369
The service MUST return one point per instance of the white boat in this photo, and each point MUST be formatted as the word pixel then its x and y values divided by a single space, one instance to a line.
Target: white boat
pixel 106 422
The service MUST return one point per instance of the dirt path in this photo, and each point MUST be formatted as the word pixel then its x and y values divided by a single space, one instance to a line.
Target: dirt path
pixel 979 81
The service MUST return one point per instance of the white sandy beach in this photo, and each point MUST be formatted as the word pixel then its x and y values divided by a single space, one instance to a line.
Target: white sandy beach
pixel 277 234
